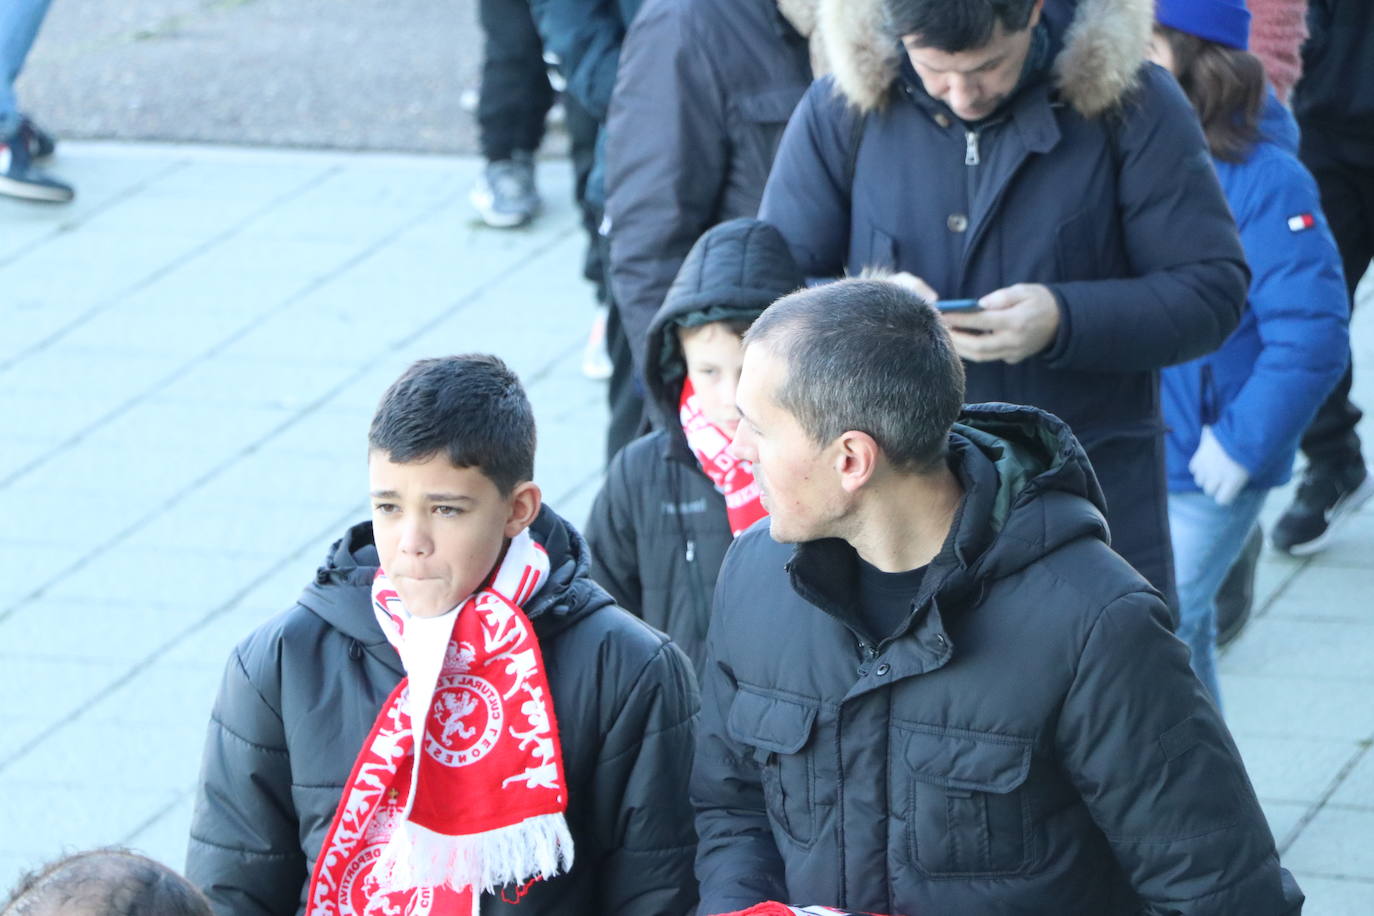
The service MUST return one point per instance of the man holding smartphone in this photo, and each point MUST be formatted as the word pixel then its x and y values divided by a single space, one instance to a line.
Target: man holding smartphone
pixel 1024 153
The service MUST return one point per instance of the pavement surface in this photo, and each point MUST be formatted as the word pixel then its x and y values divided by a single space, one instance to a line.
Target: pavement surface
pixel 190 356
pixel 343 74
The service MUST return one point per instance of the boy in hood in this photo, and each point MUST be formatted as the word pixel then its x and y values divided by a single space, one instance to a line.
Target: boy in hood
pixel 674 499
pixel 453 718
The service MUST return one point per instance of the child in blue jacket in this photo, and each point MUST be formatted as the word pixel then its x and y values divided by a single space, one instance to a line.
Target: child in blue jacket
pixel 1236 415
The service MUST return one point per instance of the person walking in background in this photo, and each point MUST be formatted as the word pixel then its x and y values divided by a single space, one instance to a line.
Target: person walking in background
pixel 1027 154
pixel 22 143
pixel 1334 105
pixel 1235 416
pixel 513 104
pixel 704 90
pixel 674 500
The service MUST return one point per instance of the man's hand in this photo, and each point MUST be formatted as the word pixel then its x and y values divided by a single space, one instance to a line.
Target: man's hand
pixel 1017 322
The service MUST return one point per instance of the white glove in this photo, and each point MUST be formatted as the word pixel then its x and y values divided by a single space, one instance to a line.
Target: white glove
pixel 1216 472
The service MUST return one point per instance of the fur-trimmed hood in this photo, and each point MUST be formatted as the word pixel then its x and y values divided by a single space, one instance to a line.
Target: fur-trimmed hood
pixel 1102 46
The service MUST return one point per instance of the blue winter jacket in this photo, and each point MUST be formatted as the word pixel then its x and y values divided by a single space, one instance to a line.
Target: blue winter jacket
pixel 1259 391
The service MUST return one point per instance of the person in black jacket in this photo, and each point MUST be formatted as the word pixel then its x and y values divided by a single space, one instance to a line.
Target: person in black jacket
pixel 1334 104
pixel 659 527
pixel 1023 152
pixel 451 452
pixel 931 686
pixel 704 90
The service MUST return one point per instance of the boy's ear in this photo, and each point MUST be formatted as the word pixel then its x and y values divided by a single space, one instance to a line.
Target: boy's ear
pixel 525 501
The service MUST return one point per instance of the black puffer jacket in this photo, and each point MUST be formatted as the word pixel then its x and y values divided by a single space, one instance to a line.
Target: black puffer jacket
pixel 704 91
pixel 658 529
pixel 1031 742
pixel 301 693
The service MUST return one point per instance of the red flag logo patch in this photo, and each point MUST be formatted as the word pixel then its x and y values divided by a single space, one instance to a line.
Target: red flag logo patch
pixel 1301 222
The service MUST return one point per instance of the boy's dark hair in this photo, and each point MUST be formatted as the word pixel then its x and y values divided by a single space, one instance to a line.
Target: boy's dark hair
pixel 955 25
pixel 105 882
pixel 471 408
pixel 1226 87
pixel 871 356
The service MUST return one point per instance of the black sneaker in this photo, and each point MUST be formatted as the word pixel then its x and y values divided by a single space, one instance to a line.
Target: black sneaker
pixel 505 195
pixel 1325 497
pixel 41 143
pixel 19 178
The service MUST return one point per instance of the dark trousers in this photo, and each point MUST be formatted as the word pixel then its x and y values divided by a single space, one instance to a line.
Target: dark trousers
pixel 625 395
pixel 1345 177
pixel 516 95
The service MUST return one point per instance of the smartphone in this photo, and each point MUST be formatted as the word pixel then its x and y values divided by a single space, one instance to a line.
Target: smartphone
pixel 958 305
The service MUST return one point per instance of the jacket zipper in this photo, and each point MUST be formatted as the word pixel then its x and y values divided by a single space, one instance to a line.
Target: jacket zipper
pixel 691 550
pixel 971 148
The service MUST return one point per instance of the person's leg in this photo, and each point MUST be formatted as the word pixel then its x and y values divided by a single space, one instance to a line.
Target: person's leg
pixel 19 22
pixel 1330 440
pixel 1207 539
pixel 1335 480
pixel 624 395
pixel 1236 597
pixel 20 143
pixel 516 96
pixel 515 99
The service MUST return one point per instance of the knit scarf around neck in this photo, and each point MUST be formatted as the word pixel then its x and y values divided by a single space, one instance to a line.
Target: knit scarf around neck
pixel 483 805
pixel 733 477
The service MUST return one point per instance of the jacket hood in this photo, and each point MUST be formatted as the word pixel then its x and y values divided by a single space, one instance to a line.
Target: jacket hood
pixel 734 271
pixel 1101 47
pixel 342 591
pixel 1029 489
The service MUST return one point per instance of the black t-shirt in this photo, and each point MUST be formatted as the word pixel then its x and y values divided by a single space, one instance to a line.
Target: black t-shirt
pixel 885 599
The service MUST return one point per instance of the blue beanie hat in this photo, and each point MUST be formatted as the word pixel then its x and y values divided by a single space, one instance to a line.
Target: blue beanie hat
pixel 1227 22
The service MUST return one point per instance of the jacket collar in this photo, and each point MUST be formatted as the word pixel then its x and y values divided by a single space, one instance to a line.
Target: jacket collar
pixel 1100 48
pixel 824 573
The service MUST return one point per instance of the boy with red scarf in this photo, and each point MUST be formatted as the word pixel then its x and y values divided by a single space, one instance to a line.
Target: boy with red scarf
pixel 453 719
pixel 674 499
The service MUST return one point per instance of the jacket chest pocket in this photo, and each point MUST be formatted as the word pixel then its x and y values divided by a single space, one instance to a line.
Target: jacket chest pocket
pixel 763 117
pixel 967 810
pixel 776 730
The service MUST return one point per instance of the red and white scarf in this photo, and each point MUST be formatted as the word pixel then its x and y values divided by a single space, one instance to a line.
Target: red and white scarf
pixel 483 806
pixel 732 476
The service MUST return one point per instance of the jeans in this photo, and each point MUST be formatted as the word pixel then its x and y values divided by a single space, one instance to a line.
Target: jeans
pixel 19 22
pixel 1207 539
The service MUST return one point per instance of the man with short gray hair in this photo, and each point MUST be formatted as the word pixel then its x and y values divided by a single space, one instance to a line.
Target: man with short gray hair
pixel 935 688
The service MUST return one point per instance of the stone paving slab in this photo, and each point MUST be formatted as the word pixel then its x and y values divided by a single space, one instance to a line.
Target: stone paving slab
pixel 194 351
pixel 354 74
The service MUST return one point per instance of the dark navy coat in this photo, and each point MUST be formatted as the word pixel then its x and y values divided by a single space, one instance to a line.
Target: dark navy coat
pixel 1118 213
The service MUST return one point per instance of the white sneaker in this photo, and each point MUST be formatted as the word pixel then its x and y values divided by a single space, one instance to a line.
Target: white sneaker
pixel 596 362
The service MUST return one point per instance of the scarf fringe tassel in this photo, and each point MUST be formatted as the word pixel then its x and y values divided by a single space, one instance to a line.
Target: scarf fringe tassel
pixel 539 847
